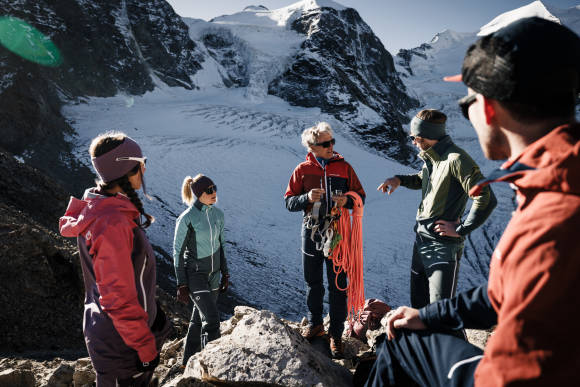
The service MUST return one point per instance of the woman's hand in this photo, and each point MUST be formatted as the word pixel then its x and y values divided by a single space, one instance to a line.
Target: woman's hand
pixel 225 282
pixel 183 294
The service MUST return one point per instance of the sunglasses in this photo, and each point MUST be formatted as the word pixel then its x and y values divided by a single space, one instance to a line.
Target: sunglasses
pixel 465 103
pixel 142 160
pixel 326 144
pixel 210 190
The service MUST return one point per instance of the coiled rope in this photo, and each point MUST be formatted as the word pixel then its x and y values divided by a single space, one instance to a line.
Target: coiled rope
pixel 347 255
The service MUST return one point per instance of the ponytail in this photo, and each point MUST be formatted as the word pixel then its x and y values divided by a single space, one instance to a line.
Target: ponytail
pixel 186 191
pixel 126 186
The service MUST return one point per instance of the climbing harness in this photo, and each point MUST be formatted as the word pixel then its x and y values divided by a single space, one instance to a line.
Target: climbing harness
pixel 346 254
pixel 323 227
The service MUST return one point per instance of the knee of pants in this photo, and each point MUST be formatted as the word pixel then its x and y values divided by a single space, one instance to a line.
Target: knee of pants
pixel 313 277
pixel 335 293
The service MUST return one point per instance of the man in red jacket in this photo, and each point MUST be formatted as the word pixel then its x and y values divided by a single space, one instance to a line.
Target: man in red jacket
pixel 314 187
pixel 522 84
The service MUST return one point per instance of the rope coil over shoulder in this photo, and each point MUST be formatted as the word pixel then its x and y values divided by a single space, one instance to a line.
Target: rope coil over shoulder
pixel 347 255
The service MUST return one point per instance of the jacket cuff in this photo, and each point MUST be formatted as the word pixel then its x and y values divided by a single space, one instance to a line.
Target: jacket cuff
pixel 461 230
pixel 428 315
pixel 148 354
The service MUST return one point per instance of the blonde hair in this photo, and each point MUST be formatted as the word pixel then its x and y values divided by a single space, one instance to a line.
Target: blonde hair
pixel 186 192
pixel 310 135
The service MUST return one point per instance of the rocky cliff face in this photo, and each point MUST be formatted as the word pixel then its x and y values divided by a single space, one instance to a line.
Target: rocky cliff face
pixel 344 69
pixel 405 57
pixel 40 281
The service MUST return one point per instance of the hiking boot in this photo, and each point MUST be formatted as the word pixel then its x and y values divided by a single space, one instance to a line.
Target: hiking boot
pixel 336 348
pixel 313 331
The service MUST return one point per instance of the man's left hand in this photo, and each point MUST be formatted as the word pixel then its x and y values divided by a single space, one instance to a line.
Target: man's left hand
pixel 403 317
pixel 446 228
pixel 340 200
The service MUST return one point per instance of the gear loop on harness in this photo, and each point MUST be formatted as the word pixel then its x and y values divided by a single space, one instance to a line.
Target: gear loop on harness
pixel 322 227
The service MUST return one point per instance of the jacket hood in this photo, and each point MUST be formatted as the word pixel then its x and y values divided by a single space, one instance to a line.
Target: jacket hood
pixel 80 214
pixel 551 163
pixel 310 158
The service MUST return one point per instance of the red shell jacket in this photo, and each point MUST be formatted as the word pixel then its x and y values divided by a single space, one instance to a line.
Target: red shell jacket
pixel 534 281
pixel 336 175
pixel 120 279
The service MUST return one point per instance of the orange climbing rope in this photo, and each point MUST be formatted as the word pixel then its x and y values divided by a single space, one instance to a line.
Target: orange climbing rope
pixel 347 255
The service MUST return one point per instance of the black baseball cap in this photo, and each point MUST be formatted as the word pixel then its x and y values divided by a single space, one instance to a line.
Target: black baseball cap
pixel 529 60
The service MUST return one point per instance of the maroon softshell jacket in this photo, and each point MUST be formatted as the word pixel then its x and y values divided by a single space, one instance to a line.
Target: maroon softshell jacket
pixel 119 273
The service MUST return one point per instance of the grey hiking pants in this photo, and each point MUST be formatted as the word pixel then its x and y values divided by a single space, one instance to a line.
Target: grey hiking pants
pixel 434 271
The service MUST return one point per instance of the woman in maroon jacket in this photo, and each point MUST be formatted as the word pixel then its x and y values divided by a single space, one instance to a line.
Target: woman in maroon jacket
pixel 123 326
pixel 323 178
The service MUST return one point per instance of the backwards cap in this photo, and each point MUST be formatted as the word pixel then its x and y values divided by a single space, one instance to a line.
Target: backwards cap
pixel 529 61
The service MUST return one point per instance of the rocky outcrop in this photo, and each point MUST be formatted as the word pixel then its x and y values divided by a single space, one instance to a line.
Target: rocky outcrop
pixel 344 69
pixel 404 57
pixel 257 347
pixel 227 50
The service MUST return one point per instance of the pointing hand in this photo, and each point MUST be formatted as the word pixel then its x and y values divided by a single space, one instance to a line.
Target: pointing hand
pixel 390 185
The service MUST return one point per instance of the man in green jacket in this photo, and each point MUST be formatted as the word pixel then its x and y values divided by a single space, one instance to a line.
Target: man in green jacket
pixel 447 175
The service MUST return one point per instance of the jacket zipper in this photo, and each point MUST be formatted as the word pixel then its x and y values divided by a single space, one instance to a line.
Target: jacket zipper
pixel 326 193
pixel 210 237
pixel 143 285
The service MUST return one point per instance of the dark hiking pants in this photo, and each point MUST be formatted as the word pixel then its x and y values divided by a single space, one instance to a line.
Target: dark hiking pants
pixel 313 262
pixel 204 325
pixel 434 271
pixel 423 358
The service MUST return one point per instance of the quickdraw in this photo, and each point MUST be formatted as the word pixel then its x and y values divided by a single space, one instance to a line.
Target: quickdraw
pixel 323 228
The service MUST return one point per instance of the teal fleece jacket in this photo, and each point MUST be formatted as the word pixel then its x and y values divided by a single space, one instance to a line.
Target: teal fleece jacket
pixel 199 240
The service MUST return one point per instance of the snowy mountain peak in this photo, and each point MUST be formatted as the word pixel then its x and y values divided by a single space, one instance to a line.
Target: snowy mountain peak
pixel 447 38
pixel 307 5
pixel 255 8
pixel 537 8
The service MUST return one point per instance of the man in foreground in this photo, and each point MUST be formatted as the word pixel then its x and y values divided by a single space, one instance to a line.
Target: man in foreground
pixel 522 83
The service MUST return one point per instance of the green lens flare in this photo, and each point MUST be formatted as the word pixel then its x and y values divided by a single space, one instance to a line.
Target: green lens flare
pixel 28 42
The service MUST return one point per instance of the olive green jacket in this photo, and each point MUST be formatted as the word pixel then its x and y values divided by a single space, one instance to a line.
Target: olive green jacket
pixel 445 180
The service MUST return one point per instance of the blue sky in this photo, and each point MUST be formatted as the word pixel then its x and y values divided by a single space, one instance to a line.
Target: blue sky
pixel 398 23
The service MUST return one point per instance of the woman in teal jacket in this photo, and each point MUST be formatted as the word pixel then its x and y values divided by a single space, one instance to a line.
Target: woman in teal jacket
pixel 198 254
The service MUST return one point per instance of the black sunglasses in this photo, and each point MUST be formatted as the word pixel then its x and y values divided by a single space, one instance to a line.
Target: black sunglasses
pixel 465 103
pixel 210 190
pixel 326 144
